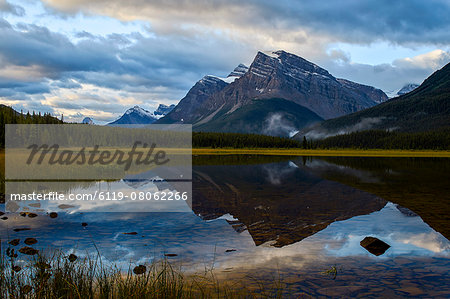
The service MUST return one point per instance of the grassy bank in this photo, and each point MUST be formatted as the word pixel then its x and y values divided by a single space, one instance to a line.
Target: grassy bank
pixel 68 276
pixel 321 152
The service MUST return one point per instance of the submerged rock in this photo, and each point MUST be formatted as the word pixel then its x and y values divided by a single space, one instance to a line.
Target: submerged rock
pixel 28 250
pixel 141 269
pixel 30 241
pixel 374 245
pixel 53 215
pixel 14 242
pixel 72 258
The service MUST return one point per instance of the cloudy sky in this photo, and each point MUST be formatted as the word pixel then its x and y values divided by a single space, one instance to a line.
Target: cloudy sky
pixel 99 57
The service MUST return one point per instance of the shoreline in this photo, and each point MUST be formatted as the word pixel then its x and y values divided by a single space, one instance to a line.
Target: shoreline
pixel 324 152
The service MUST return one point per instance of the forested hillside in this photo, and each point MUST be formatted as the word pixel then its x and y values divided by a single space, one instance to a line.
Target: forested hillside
pixel 236 140
pixel 10 116
pixel 380 139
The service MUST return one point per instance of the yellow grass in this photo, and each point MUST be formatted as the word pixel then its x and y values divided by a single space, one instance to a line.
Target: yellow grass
pixel 322 152
pixel 304 152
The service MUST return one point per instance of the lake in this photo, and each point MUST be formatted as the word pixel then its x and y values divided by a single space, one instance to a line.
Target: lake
pixel 296 219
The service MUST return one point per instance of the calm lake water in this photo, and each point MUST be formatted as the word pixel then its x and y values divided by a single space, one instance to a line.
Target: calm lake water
pixel 292 218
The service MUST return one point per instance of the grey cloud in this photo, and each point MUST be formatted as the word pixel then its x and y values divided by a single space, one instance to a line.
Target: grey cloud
pixel 413 21
pixel 65 83
pixel 6 7
pixel 10 87
pixel 127 62
pixel 389 77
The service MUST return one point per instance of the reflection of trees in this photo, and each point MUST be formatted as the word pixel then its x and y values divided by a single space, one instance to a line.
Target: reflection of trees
pixel 420 184
pixel 298 205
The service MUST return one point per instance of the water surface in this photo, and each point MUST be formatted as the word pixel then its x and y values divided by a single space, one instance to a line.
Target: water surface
pixel 288 217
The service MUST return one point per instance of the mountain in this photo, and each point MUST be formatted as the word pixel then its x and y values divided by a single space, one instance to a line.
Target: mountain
pixel 238 71
pixel 407 88
pixel 278 75
pixel 185 111
pixel 135 115
pixel 163 109
pixel 87 120
pixel 426 108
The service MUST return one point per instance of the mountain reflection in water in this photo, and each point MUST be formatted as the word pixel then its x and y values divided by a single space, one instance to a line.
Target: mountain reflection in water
pixel 276 213
pixel 281 202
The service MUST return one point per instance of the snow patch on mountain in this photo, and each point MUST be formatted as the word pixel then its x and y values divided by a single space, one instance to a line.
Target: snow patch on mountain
pixel 238 71
pixel 407 88
pixel 163 109
pixel 138 115
pixel 140 111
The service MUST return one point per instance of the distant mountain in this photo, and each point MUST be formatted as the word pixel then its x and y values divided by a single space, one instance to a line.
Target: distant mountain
pixel 407 88
pixel 135 115
pixel 425 108
pixel 138 115
pixel 163 109
pixel 87 120
pixel 211 103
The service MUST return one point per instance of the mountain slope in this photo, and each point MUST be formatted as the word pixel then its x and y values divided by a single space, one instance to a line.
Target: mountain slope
pixel 238 71
pixel 164 109
pixel 185 111
pixel 135 115
pixel 407 88
pixel 425 108
pixel 277 117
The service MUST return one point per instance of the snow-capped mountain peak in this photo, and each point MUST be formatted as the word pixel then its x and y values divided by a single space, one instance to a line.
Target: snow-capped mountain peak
pixel 238 71
pixel 407 88
pixel 140 111
pixel 163 109
pixel 138 115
